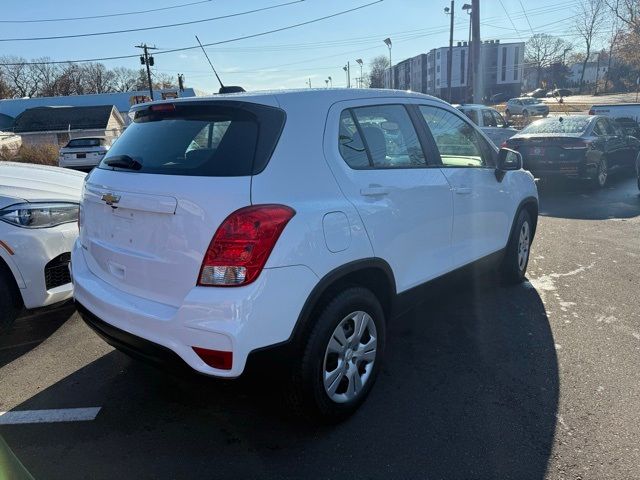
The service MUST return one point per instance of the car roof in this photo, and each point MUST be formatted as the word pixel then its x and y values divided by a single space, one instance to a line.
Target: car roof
pixel 326 96
pixel 473 106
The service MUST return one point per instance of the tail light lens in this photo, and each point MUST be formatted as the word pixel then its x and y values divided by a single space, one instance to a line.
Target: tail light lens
pixel 242 244
pixel 582 145
pixel 215 358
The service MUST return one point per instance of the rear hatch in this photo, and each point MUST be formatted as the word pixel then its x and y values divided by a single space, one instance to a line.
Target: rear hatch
pixel 561 154
pixel 150 209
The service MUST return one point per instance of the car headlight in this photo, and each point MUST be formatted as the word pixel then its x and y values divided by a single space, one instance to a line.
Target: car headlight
pixel 40 215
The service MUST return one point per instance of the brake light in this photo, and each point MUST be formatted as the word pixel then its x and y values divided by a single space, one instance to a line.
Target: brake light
pixel 582 145
pixel 242 244
pixel 163 107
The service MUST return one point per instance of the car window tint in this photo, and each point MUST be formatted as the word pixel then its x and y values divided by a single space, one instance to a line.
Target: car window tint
pixel 221 139
pixel 350 143
pixel 389 136
pixel 472 115
pixel 600 128
pixel 457 141
pixel 488 119
pixel 498 119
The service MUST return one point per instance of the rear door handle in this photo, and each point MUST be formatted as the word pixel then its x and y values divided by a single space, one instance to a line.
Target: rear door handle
pixel 462 190
pixel 374 191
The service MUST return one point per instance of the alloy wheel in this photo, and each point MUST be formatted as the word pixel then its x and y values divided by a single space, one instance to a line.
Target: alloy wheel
pixel 349 357
pixel 602 173
pixel 523 246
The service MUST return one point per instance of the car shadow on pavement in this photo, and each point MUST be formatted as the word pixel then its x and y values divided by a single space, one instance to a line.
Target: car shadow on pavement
pixel 573 199
pixel 469 390
pixel 31 329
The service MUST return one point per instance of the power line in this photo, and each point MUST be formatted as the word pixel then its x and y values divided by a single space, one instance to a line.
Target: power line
pixel 143 29
pixel 236 39
pixel 526 16
pixel 509 17
pixel 109 15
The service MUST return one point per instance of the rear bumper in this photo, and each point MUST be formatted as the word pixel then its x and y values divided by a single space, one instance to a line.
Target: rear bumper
pixel 238 320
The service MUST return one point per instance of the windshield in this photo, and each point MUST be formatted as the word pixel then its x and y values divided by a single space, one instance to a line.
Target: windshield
pixel 558 125
pixel 191 139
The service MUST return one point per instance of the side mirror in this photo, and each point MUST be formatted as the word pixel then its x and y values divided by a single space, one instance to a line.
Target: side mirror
pixel 507 160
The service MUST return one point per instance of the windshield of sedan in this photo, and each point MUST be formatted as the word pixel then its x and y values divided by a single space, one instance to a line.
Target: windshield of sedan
pixel 558 125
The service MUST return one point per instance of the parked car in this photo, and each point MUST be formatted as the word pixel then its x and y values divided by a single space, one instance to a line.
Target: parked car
pixel 626 114
pixel 527 107
pixel 490 122
pixel 537 93
pixel 38 215
pixel 218 232
pixel 559 92
pixel 498 98
pixel 83 153
pixel 577 146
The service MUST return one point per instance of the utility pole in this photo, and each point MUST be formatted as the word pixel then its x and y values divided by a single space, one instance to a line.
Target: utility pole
pixel 475 34
pixel 146 59
pixel 389 44
pixel 597 71
pixel 181 82
pixel 347 69
pixel 450 59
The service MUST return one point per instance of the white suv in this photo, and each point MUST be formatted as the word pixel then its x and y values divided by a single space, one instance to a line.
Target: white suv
pixel 219 230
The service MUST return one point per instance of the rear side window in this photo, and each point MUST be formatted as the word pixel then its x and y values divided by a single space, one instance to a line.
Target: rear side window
pixel 381 136
pixel 224 139
pixel 472 115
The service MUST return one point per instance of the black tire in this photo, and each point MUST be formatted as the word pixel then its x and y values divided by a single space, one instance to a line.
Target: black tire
pixel 600 180
pixel 9 303
pixel 513 270
pixel 307 394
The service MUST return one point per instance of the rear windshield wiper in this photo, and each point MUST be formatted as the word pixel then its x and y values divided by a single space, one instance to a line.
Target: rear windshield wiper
pixel 123 161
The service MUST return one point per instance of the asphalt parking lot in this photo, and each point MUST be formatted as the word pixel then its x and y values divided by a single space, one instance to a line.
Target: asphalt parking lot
pixel 528 382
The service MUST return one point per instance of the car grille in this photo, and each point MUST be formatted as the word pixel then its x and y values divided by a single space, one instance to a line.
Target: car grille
pixel 56 272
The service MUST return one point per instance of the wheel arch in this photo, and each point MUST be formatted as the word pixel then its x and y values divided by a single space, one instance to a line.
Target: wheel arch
pixel 7 273
pixel 372 273
pixel 530 204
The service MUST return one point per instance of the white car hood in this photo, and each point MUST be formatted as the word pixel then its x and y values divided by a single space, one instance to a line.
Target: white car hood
pixel 37 183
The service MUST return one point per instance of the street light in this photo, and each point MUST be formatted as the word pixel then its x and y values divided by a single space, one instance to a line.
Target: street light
pixel 359 62
pixel 449 11
pixel 387 41
pixel 326 82
pixel 330 82
pixel 468 8
pixel 347 69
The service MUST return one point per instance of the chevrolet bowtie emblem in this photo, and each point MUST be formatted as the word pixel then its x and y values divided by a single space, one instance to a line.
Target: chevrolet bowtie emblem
pixel 110 199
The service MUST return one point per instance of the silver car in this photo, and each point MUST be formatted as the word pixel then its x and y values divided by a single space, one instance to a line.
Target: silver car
pixel 527 107
pixel 490 122
pixel 83 153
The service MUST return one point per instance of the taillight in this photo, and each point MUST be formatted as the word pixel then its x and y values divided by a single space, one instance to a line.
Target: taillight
pixel 582 145
pixel 215 358
pixel 242 244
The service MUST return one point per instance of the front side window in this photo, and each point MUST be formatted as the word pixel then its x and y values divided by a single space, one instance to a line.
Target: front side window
pixel 488 119
pixel 380 136
pixel 457 141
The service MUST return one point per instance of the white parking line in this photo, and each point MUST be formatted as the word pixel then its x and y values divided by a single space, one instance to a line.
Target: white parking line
pixel 16 417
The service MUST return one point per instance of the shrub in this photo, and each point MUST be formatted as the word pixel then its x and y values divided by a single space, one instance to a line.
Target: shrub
pixel 40 154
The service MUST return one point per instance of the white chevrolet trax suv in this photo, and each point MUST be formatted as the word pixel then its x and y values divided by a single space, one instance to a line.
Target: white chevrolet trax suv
pixel 217 230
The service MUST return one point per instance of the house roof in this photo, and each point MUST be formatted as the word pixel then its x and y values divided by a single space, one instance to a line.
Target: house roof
pixel 122 100
pixel 46 119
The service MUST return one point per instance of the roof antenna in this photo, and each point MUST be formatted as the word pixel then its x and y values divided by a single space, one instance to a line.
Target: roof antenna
pixel 223 89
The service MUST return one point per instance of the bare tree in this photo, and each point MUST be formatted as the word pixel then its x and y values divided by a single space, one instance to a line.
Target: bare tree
pixel 627 11
pixel 163 80
pixel 124 79
pixel 377 68
pixel 98 79
pixel 589 15
pixel 542 50
pixel 21 77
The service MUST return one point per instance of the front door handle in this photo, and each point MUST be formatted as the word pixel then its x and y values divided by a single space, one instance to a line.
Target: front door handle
pixel 462 190
pixel 374 191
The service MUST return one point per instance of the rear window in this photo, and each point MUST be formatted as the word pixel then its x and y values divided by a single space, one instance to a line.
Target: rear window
pixel 555 125
pixel 224 139
pixel 86 142
pixel 530 101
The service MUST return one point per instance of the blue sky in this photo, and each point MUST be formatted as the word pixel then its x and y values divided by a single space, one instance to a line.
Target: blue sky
pixel 285 59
